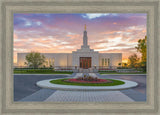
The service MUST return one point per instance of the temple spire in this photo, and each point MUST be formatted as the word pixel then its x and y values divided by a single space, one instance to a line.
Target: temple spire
pixel 85 27
pixel 85 38
pixel 85 45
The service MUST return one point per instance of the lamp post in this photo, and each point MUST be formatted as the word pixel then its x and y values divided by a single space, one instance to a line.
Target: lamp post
pixel 75 66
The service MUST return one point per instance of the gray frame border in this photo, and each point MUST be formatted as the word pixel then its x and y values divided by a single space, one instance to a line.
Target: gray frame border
pixel 8 106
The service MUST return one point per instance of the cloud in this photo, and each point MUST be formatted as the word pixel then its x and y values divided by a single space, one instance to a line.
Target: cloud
pixel 63 33
pixel 96 15
pixel 97 41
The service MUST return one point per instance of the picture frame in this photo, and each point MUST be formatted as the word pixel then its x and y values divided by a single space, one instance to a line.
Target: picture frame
pixel 9 7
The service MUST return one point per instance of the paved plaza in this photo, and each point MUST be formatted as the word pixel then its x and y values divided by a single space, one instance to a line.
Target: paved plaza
pixel 25 89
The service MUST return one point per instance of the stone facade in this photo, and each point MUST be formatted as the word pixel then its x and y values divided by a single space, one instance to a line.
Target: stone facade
pixel 110 59
pixel 54 59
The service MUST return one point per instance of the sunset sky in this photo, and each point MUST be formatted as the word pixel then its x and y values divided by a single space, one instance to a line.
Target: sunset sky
pixel 63 33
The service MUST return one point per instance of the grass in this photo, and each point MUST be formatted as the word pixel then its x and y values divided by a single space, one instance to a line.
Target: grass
pixel 62 82
pixel 40 72
pixel 122 72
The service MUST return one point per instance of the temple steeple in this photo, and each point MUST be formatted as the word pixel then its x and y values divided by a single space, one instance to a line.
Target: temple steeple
pixel 85 47
pixel 85 38
pixel 85 27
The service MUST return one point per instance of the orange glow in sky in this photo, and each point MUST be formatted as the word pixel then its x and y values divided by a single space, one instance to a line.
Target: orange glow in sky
pixel 63 33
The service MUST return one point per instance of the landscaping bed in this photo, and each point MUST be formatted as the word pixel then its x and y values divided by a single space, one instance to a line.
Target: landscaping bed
pixel 83 81
pixel 66 81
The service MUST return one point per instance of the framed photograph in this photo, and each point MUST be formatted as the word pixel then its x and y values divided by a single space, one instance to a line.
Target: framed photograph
pixel 79 57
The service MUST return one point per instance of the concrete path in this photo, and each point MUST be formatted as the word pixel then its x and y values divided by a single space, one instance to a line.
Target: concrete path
pixel 25 85
pixel 135 95
pixel 93 75
pixel 40 95
pixel 88 96
pixel 78 75
pixel 81 74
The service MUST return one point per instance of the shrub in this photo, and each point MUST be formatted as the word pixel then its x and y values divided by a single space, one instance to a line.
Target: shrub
pixel 89 78
pixel 122 68
pixel 79 78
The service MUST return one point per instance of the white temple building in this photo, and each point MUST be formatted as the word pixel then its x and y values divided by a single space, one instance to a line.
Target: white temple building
pixel 83 58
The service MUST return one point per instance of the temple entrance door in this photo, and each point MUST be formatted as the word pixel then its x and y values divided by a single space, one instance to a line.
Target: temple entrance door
pixel 85 62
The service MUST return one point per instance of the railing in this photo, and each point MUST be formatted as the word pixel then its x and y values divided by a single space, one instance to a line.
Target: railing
pixel 68 67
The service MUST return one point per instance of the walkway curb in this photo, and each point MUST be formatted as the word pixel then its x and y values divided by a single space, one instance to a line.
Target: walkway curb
pixel 47 84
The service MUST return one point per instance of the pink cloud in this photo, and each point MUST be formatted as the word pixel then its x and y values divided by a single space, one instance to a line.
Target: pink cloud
pixel 65 34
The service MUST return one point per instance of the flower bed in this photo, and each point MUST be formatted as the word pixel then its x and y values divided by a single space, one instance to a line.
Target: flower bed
pixel 87 81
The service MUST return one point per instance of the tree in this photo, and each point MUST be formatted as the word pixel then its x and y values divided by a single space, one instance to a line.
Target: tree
pixel 119 64
pixel 34 59
pixel 133 60
pixel 143 66
pixel 142 45
pixel 125 64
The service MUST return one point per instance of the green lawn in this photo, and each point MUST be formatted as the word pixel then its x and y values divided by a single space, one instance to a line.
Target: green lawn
pixel 122 73
pixel 62 82
pixel 40 72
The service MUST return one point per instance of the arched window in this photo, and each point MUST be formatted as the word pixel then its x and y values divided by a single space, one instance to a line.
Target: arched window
pixel 47 64
pixel 108 62
pixel 105 62
pixel 50 62
pixel 53 62
pixel 102 61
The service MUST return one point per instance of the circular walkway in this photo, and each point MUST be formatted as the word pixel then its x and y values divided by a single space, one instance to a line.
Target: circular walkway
pixel 47 84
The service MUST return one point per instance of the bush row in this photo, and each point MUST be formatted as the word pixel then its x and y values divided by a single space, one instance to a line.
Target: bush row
pixel 33 68
pixel 107 71
pixel 122 68
pixel 41 71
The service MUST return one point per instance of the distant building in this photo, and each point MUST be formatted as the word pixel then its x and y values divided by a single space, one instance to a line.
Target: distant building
pixel 83 58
